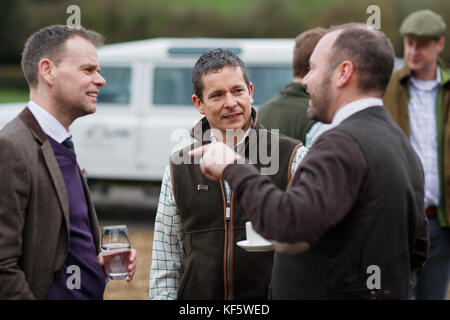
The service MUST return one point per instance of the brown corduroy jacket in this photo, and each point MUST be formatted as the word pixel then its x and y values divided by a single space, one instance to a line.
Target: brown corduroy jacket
pixel 34 211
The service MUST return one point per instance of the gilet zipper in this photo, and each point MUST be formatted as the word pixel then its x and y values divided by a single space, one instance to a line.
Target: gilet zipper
pixel 228 244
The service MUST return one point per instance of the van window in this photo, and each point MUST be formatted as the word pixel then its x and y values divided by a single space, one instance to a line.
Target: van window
pixel 268 81
pixel 117 88
pixel 173 85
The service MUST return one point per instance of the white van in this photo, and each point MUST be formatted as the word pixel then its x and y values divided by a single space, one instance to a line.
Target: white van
pixel 145 112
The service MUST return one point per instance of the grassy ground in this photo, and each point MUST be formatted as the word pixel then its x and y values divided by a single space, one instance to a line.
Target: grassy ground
pixel 13 95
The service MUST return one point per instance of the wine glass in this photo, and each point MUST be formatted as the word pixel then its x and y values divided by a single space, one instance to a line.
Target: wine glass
pixel 116 246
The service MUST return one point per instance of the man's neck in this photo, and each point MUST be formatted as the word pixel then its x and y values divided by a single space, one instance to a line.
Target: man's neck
pixel 355 106
pixel 351 98
pixel 49 106
pixel 230 137
pixel 428 73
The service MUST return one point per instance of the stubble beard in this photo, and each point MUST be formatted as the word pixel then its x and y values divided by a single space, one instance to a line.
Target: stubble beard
pixel 75 107
pixel 319 102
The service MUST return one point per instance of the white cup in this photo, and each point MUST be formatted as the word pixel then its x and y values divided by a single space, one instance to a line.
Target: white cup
pixel 254 238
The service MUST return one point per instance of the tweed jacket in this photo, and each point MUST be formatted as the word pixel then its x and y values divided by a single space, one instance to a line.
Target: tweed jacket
pixel 34 211
pixel 396 101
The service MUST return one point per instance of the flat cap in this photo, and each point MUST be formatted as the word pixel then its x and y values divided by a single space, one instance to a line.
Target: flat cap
pixel 423 24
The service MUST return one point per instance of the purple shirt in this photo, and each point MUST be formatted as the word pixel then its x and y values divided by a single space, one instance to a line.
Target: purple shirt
pixel 82 254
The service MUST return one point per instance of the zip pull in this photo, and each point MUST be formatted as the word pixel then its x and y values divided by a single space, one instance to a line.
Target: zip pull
pixel 228 203
pixel 228 209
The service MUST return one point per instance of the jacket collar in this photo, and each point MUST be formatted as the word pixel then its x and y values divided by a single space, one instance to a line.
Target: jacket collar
pixel 203 125
pixel 445 72
pixel 30 121
pixel 52 164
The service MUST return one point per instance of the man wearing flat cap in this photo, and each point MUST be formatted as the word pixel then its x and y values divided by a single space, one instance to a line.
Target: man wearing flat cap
pixel 418 98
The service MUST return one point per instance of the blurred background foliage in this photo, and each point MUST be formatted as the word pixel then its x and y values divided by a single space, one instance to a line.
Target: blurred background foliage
pixel 126 20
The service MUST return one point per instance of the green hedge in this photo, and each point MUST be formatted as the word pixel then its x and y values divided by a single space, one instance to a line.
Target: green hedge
pixel 13 82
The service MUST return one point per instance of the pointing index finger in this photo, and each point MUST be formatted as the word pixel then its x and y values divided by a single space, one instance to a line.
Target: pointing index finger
pixel 196 152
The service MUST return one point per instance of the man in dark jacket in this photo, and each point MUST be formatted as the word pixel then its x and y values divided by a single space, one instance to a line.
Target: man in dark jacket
pixel 355 205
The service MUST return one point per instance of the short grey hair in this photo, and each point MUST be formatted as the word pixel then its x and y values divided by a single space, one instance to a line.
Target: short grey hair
pixel 213 60
pixel 369 50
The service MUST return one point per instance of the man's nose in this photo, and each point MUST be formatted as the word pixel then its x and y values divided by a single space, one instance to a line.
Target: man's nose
pixel 99 80
pixel 413 46
pixel 230 101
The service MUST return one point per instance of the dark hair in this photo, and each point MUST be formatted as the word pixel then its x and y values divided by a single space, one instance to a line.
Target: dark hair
pixel 49 43
pixel 369 50
pixel 213 60
pixel 305 43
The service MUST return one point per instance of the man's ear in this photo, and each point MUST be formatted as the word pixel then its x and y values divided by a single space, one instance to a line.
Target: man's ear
pixel 441 44
pixel 198 103
pixel 345 71
pixel 47 70
pixel 250 92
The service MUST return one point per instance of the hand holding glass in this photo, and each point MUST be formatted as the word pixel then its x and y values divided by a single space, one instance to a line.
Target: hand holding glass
pixel 116 251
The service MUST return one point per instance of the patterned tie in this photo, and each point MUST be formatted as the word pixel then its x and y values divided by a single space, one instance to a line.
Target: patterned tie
pixel 68 143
